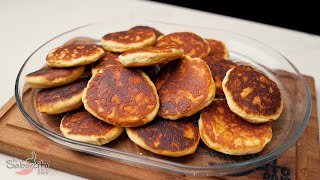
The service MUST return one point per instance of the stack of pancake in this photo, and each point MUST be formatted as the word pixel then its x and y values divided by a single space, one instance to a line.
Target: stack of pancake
pixel 166 92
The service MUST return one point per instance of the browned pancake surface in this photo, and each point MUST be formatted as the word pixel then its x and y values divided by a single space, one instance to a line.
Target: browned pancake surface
pixel 182 86
pixel 158 49
pixel 74 51
pixel 122 92
pixel 192 44
pixel 51 73
pixel 53 95
pixel 218 49
pixel 158 33
pixel 81 122
pixel 219 68
pixel 130 36
pixel 109 58
pixel 162 134
pixel 230 131
pixel 253 91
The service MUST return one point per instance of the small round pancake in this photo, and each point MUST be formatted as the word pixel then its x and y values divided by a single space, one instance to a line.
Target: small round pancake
pixel 49 77
pixel 192 44
pixel 74 55
pixel 185 86
pixel 219 68
pixel 121 96
pixel 150 56
pixel 158 33
pixel 226 132
pixel 128 40
pixel 60 99
pixel 165 137
pixel 80 125
pixel 218 50
pixel 252 95
pixel 109 58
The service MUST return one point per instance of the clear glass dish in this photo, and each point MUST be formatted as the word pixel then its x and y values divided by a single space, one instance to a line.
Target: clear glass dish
pixel 206 162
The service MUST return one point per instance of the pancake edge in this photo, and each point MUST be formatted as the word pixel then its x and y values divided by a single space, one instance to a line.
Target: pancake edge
pixel 206 102
pixel 118 47
pixel 84 60
pixel 225 49
pixel 253 118
pixel 149 58
pixel 135 139
pixel 61 106
pixel 204 40
pixel 147 119
pixel 225 150
pixel 92 139
pixel 41 82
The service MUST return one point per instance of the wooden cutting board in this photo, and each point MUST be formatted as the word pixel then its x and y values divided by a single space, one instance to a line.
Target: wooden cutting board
pixel 19 139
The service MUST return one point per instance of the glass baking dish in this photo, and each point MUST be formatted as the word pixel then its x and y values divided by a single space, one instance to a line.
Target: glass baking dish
pixel 204 162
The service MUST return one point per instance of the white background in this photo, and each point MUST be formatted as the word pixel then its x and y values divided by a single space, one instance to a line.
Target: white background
pixel 25 25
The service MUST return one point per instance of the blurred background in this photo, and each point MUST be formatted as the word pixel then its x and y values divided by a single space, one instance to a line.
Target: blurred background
pixel 295 14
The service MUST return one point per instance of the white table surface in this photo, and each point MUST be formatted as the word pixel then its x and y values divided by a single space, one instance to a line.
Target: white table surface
pixel 25 25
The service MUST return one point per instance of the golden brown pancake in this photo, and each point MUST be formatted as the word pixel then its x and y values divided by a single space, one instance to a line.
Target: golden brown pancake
pixel 218 50
pixel 185 86
pixel 109 58
pixel 219 68
pixel 121 96
pixel 158 33
pixel 86 41
pixel 252 95
pixel 48 77
pixel 74 55
pixel 128 40
pixel 60 99
pixel 226 132
pixel 81 40
pixel 150 56
pixel 80 125
pixel 192 44
pixel 165 137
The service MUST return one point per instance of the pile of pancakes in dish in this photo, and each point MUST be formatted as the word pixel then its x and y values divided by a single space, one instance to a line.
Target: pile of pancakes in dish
pixel 166 92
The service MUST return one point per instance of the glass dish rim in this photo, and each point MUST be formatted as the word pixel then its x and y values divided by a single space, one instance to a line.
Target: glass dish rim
pixel 258 160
